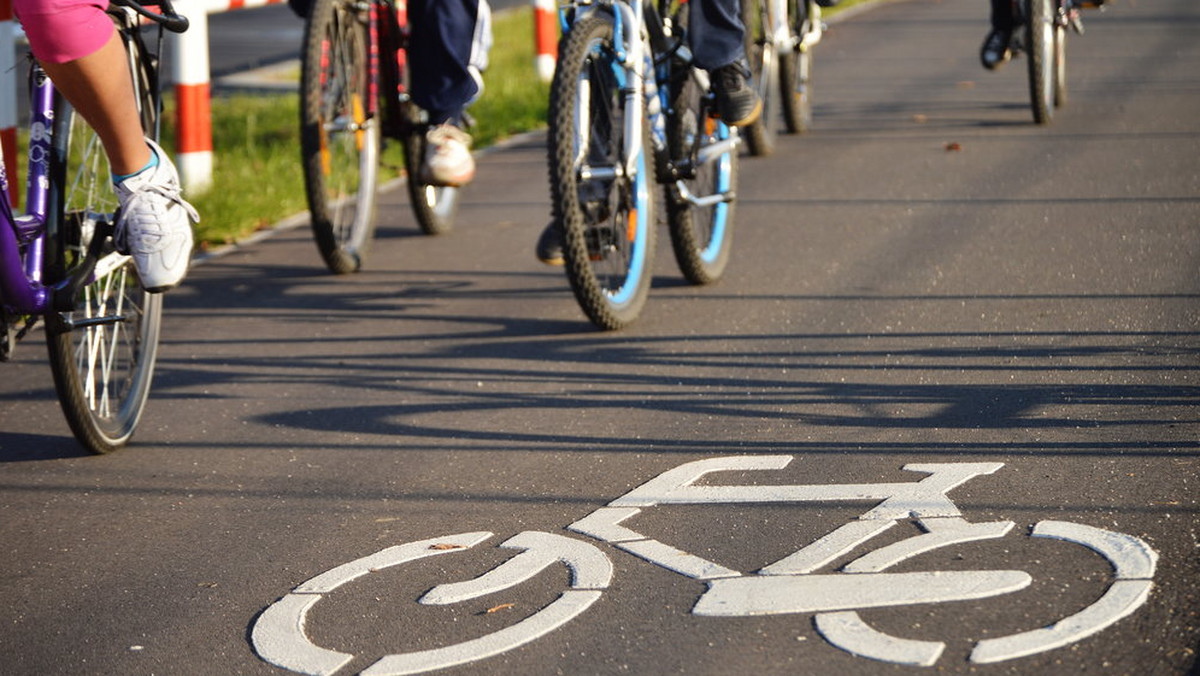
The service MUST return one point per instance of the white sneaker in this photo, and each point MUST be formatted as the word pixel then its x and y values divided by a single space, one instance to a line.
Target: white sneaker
pixel 447 158
pixel 153 224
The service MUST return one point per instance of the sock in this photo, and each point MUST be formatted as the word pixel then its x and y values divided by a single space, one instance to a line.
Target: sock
pixel 152 163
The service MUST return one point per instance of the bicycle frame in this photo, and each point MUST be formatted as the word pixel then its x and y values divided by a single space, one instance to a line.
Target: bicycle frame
pixel 22 238
pixel 651 69
pixel 23 289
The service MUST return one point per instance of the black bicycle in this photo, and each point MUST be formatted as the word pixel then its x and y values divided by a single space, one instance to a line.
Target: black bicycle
pixel 354 94
pixel 1044 40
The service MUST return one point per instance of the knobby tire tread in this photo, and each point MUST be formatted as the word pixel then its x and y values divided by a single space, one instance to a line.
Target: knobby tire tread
pixel 588 291
pixel 681 216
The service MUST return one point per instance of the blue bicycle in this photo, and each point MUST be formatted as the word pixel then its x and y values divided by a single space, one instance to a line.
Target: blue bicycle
pixel 58 263
pixel 628 111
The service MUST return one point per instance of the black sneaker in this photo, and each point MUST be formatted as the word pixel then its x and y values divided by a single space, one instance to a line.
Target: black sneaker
pixel 737 102
pixel 550 245
pixel 995 50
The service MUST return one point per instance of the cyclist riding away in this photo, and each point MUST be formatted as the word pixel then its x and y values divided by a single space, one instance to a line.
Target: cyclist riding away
pixel 78 47
pixel 996 48
pixel 717 39
pixel 448 47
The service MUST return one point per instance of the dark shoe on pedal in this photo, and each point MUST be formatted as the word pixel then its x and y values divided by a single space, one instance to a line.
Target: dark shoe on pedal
pixel 737 102
pixel 995 50
pixel 551 242
pixel 550 245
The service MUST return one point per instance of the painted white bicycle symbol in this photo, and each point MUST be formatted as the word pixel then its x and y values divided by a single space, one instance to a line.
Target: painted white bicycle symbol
pixel 788 586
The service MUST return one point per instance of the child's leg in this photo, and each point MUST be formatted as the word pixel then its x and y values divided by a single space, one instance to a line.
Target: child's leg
pixel 76 43
pixel 100 88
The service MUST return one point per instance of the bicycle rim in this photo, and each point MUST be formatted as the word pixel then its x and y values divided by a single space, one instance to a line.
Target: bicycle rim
pixel 1041 59
pixel 102 353
pixel 701 234
pixel 340 133
pixel 608 221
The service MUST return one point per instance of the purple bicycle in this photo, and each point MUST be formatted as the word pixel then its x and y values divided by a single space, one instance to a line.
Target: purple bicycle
pixel 58 264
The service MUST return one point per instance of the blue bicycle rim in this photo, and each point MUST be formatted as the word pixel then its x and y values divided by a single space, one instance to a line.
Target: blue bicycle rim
pixel 721 211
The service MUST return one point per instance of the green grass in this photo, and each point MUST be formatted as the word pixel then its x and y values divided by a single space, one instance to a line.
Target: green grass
pixel 257 178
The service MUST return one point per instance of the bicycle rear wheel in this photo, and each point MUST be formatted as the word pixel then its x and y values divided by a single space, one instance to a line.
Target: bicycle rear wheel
pixel 339 133
pixel 795 74
pixel 1040 42
pixel 603 198
pixel 103 351
pixel 701 223
pixel 433 206
pixel 765 76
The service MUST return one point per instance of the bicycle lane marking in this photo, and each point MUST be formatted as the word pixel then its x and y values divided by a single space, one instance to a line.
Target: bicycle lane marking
pixel 861 583
pixel 279 635
pixel 787 586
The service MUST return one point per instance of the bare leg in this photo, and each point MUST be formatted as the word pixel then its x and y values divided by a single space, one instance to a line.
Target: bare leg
pixel 100 88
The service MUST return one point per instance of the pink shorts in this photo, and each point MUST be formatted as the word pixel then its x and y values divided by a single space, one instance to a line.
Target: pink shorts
pixel 64 30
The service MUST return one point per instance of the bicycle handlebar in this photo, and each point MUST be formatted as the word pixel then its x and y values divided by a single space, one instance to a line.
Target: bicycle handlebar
pixel 168 18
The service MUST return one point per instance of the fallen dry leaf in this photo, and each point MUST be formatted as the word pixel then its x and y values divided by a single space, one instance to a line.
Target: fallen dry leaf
pixel 953 147
pixel 446 545
pixel 920 119
pixel 496 609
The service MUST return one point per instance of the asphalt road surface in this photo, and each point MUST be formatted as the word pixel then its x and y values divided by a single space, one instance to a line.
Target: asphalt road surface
pixel 946 392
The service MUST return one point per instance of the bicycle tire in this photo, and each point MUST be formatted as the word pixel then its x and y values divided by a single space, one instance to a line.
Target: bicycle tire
pixel 102 372
pixel 339 134
pixel 795 77
pixel 608 261
pixel 1040 41
pixel 701 236
pixel 1060 65
pixel 433 206
pixel 764 76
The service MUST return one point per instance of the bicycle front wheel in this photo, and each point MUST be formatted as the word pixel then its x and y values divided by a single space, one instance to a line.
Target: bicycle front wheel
pixel 103 351
pixel 765 76
pixel 701 217
pixel 1040 41
pixel 1060 64
pixel 795 74
pixel 339 133
pixel 602 196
